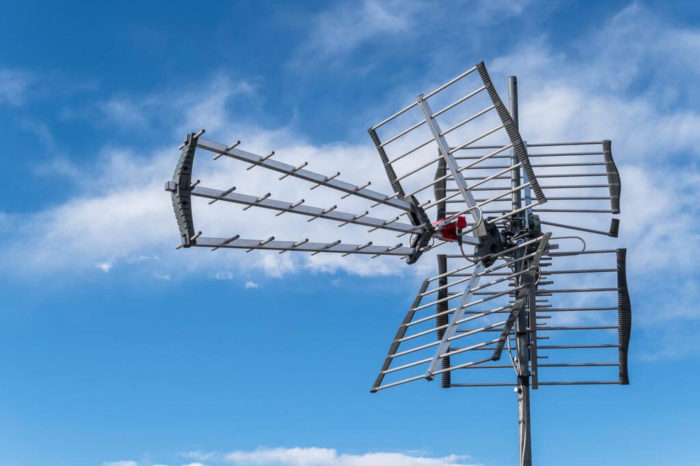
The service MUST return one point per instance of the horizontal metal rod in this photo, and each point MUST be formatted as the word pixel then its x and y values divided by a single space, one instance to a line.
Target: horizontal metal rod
pixel 417 169
pixel 581 309
pixel 580 198
pixel 410 151
pixel 475 157
pixel 485 273
pixel 407 366
pixel 478 160
pixel 465 365
pixel 565 272
pixel 449 175
pixel 572 164
pixel 580 211
pixel 576 346
pixel 467 333
pixel 450 311
pixel 570 175
pixel 574 186
pixel 543 175
pixel 564 154
pixel 467 120
pixel 394 384
pixel 399 113
pixel 578 290
pixel 451 272
pixel 306 210
pixel 513 212
pixel 457 102
pixel 548 144
pixel 306 247
pixel 499 196
pixel 546 328
pixel 477 200
pixel 450 82
pixel 475 385
pixel 549 165
pixel 492 366
pixel 505 251
pixel 580 364
pixel 588 251
pixel 478 138
pixel 590 327
pixel 307 175
pixel 438 201
pixel 402 133
pixel 438 301
pixel 584 382
pixel 490 188
pixel 474 315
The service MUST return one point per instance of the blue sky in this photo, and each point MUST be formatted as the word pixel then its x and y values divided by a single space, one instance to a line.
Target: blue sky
pixel 115 349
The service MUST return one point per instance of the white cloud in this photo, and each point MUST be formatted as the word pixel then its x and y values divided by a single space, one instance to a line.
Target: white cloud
pixel 251 285
pixel 104 266
pixel 202 107
pixel 349 25
pixel 227 275
pixel 161 276
pixel 200 455
pixel 13 86
pixel 124 112
pixel 336 32
pixel 313 456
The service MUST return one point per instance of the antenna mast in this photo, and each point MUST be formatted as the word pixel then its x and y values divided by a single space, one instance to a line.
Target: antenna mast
pixel 522 340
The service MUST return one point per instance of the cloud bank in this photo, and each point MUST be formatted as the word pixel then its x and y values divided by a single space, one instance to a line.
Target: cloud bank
pixel 308 456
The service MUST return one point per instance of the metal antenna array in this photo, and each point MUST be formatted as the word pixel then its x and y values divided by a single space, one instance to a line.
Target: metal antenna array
pixel 461 176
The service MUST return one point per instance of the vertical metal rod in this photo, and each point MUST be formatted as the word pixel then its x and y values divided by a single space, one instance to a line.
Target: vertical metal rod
pixel 521 333
pixel 515 173
pixel 440 308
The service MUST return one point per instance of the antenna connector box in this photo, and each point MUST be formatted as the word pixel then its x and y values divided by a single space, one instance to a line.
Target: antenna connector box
pixel 453 230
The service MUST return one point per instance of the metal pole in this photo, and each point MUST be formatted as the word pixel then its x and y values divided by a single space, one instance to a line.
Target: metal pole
pixel 521 333
pixel 515 172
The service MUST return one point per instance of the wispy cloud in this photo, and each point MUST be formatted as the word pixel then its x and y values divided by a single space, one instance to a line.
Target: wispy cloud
pixel 104 266
pixel 348 25
pixel 205 105
pixel 14 84
pixel 314 456
pixel 227 275
pixel 309 456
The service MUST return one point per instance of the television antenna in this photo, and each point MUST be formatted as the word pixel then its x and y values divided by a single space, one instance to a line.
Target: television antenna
pixel 462 177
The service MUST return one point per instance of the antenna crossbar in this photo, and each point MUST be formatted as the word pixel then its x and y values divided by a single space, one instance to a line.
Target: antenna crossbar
pixel 337 247
pixel 302 209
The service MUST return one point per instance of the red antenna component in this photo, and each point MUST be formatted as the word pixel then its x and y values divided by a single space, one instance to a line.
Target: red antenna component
pixel 453 230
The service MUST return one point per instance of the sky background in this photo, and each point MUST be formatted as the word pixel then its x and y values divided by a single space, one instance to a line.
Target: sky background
pixel 118 350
